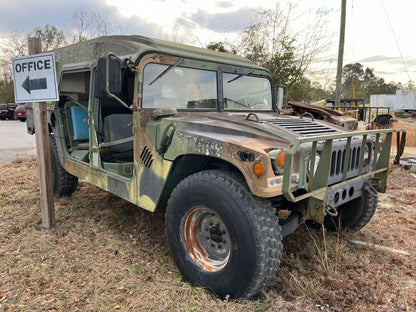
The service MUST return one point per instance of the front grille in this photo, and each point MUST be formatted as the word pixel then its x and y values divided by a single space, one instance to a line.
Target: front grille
pixel 338 158
pixel 302 127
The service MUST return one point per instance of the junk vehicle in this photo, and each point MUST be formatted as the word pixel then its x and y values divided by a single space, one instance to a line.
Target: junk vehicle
pixel 377 116
pixel 197 133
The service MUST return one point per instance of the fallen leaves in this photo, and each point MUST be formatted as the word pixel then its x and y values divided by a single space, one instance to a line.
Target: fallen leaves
pixel 108 255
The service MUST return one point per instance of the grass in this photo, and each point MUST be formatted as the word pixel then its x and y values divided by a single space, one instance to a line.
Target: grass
pixel 105 254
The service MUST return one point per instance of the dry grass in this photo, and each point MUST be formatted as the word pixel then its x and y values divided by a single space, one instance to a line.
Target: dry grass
pixel 107 255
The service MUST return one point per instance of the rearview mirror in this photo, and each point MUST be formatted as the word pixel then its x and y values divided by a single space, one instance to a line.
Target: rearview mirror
pixel 109 74
pixel 280 95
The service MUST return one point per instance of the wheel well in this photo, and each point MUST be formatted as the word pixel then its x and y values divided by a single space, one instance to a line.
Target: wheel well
pixel 186 165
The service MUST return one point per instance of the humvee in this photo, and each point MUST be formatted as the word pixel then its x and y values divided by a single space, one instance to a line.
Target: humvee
pixel 197 134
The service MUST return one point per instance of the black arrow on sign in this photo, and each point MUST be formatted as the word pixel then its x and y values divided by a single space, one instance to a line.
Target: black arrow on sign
pixel 34 84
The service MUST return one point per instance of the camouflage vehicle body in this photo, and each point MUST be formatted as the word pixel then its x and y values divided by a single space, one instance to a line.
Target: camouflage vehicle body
pixel 174 149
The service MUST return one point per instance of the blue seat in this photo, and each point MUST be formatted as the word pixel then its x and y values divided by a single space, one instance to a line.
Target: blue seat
pixel 79 123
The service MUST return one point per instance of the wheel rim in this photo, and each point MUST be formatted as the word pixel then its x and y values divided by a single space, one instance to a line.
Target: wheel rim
pixel 206 239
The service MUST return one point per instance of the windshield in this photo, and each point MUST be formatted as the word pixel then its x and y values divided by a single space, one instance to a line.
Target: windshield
pixel 179 87
pixel 246 92
pixel 195 89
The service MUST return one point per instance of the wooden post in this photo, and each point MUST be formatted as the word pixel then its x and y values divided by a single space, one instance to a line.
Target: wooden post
pixel 43 156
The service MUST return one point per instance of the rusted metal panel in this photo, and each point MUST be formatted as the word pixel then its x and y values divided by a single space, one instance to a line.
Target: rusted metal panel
pixel 327 114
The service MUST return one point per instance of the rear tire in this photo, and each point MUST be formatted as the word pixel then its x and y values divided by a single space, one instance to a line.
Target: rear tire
pixel 64 183
pixel 221 236
pixel 355 214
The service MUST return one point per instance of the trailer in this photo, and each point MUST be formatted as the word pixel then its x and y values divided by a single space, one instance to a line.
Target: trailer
pixel 405 100
pixel 383 100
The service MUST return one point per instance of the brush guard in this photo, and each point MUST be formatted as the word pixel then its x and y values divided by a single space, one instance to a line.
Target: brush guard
pixel 316 182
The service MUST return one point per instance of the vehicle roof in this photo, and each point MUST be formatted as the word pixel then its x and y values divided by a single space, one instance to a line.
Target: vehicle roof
pixel 86 53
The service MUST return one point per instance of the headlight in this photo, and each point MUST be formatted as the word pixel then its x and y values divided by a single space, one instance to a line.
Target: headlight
pixel 278 160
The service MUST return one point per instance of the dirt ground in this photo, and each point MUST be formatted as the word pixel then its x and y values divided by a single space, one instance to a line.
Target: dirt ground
pixel 409 125
pixel 105 254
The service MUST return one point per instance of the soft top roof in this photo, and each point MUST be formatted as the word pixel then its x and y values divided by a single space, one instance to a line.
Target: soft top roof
pixel 87 52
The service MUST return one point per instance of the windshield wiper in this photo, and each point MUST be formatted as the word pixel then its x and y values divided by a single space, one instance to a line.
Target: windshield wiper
pixel 241 75
pixel 166 71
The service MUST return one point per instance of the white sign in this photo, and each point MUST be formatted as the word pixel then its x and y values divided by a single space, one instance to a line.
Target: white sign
pixel 35 78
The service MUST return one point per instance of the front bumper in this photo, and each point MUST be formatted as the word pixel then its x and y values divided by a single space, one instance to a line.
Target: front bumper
pixel 325 188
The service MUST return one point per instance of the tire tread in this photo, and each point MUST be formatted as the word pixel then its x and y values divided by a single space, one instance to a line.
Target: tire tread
pixel 267 231
pixel 64 183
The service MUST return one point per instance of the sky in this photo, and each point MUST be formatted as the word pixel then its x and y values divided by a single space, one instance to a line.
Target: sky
pixel 379 33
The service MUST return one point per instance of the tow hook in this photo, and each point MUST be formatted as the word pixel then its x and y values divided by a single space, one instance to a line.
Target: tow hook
pixel 332 211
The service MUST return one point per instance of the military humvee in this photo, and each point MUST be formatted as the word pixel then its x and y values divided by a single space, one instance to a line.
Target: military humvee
pixel 198 133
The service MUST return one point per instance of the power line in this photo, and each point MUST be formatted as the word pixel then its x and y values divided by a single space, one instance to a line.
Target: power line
pixel 395 38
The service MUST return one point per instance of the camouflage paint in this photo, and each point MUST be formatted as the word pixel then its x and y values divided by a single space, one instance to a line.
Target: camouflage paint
pixel 236 139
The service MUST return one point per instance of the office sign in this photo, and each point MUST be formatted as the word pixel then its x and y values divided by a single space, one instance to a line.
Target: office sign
pixel 35 78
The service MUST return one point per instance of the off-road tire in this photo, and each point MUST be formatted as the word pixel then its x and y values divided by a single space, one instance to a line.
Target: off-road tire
pixel 64 183
pixel 249 222
pixel 355 214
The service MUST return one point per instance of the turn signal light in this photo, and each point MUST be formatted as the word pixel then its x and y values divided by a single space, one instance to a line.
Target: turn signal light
pixel 280 159
pixel 258 169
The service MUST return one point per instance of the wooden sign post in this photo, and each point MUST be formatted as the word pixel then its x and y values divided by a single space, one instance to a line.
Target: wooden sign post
pixel 43 156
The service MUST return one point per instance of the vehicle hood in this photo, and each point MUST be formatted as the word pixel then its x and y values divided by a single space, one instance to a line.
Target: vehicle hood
pixel 205 132
pixel 265 126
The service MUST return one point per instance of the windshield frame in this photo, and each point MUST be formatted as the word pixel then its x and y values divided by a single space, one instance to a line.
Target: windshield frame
pixel 220 69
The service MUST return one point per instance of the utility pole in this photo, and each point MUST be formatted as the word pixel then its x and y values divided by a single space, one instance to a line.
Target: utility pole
pixel 340 53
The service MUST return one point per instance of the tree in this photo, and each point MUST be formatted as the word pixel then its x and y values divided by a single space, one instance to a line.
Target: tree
pixel 88 25
pixel 379 86
pixel 350 72
pixel 6 91
pixel 217 46
pixel 363 82
pixel 305 90
pixel 50 36
pixel 81 22
pixel 14 45
pixel 270 41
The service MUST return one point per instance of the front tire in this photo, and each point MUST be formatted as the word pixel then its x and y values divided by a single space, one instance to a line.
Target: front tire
pixel 64 183
pixel 221 236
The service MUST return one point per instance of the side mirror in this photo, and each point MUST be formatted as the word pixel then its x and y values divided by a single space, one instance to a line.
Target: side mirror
pixel 280 96
pixel 109 74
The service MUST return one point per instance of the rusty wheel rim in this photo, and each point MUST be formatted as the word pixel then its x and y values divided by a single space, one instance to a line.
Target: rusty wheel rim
pixel 206 239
